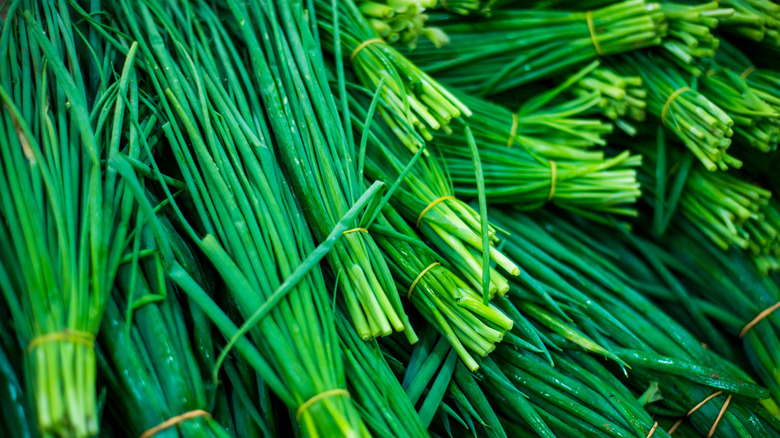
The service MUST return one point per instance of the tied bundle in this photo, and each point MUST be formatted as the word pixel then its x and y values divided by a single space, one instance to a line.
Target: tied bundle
pixel 702 125
pixel 414 97
pixel 757 20
pixel 514 47
pixel 543 154
pixel 401 21
pixel 65 212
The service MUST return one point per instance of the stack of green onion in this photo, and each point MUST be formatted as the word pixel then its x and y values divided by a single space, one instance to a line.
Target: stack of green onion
pixel 704 127
pixel 401 21
pixel 762 81
pixel 518 46
pixel 415 98
pixel 241 212
pixel 690 38
pixel 64 213
pixel 622 97
pixel 757 20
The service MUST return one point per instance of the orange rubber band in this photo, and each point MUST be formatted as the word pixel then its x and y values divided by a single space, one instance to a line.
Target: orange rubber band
pixel 430 206
pixel 355 230
pixel 513 131
pixel 758 319
pixel 669 101
pixel 592 29
pixel 308 403
pixel 67 335
pixel 362 46
pixel 748 71
pixel 553 179
pixel 420 276
pixel 652 431
pixel 167 424
pixel 720 415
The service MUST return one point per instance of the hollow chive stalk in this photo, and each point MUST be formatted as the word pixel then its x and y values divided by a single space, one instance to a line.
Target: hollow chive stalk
pixel 514 47
pixel 415 98
pixel 702 125
pixel 241 212
pixel 65 214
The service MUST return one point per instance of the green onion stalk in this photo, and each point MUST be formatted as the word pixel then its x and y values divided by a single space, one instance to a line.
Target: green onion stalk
pixel 762 81
pixel 540 155
pixel 401 21
pixel 468 7
pixel 144 321
pixel 704 127
pixel 756 122
pixel 320 155
pixel 378 395
pixel 424 196
pixel 756 20
pixel 449 396
pixel 654 345
pixel 442 297
pixel 515 47
pixel 64 213
pixel 414 97
pixel 241 212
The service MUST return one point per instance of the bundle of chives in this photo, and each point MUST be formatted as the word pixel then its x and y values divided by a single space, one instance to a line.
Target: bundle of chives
pixel 516 46
pixel 620 96
pixel 401 21
pixel 538 155
pixel 758 20
pixel 762 81
pixel 64 213
pixel 320 156
pixel 734 299
pixel 378 395
pixel 656 347
pixel 144 320
pixel 442 297
pixel 248 222
pixel 756 122
pixel 690 38
pixel 700 124
pixel 414 97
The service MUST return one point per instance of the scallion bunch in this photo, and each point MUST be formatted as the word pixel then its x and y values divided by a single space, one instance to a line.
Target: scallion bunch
pixel 757 20
pixel 514 47
pixel 401 21
pixel 690 37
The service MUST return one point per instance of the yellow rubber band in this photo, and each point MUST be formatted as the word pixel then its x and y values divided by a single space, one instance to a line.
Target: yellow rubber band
pixel 748 71
pixel 362 46
pixel 592 29
pixel 652 431
pixel 308 403
pixel 669 101
pixel 430 206
pixel 758 319
pixel 420 276
pixel 513 131
pixel 167 424
pixel 702 403
pixel 675 426
pixel 355 230
pixel 720 415
pixel 73 336
pixel 711 73
pixel 553 179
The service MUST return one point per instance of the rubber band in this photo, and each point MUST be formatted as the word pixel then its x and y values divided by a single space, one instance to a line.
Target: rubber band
pixel 758 319
pixel 652 431
pixel 669 101
pixel 711 73
pixel 430 206
pixel 323 395
pixel 355 230
pixel 748 71
pixel 513 131
pixel 553 179
pixel 419 277
pixel 720 415
pixel 592 29
pixel 362 46
pixel 694 409
pixel 167 424
pixel 73 336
